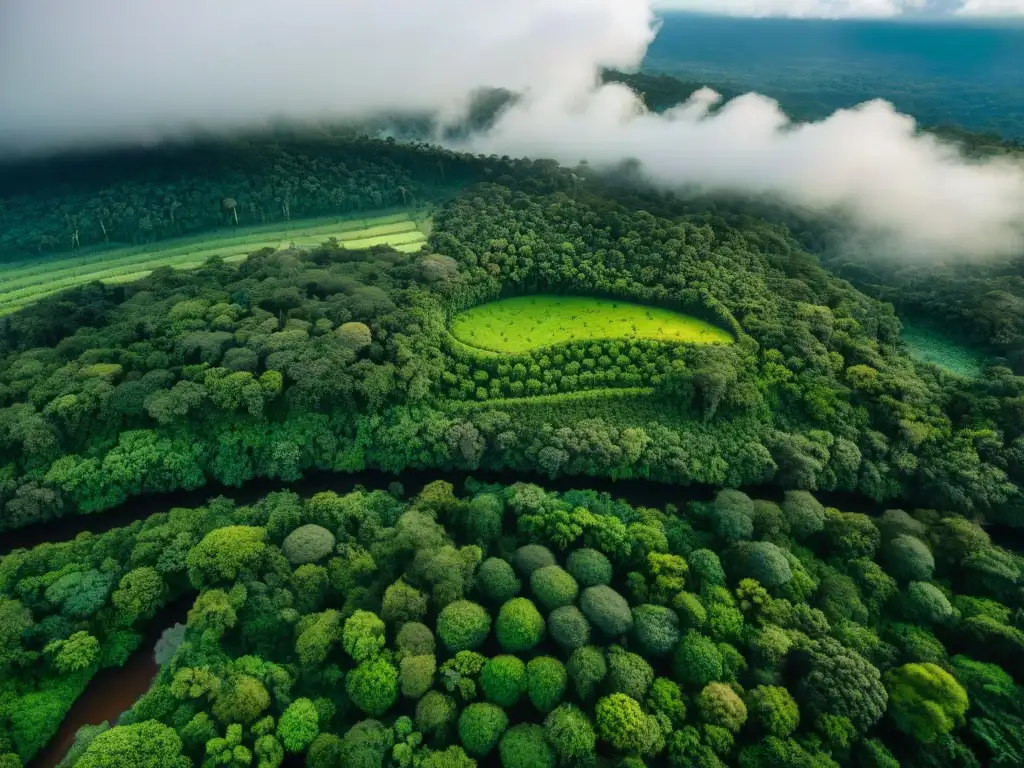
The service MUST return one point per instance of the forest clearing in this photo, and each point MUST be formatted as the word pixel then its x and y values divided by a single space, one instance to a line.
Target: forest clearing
pixel 928 345
pixel 28 281
pixel 513 326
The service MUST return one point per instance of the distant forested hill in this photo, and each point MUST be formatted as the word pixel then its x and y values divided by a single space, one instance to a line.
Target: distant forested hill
pixel 941 73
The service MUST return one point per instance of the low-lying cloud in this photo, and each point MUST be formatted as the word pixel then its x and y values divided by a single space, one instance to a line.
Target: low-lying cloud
pixel 910 191
pixel 847 9
pixel 112 71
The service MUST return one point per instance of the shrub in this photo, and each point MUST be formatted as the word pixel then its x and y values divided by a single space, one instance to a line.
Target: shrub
pixel 354 335
pixel 705 565
pixel 325 751
pixel 307 544
pixel 770 521
pixel 224 553
pixel 719 705
pixel 483 519
pixel 589 567
pixel 553 587
pixel 460 672
pixel 896 522
pixel 480 727
pixel 690 610
pixel 666 698
pixel 621 722
pixel 524 746
pixel 435 712
pixel 531 557
pixel 519 626
pixel 571 735
pixel 656 629
pixel 915 643
pixel 403 604
pixel 373 686
pixel 416 674
pixel 849 535
pixel 668 576
pixel 841 682
pixel 607 610
pixel 363 636
pixel 463 626
pixel 241 700
pixel 503 680
pixel 298 726
pixel 908 559
pixel 149 744
pixel 449 757
pixel 697 660
pixel 415 639
pixel 926 604
pixel 628 673
pixel 774 709
pixel 805 515
pixel 732 515
pixel 587 668
pixel 764 562
pixel 568 627
pixel 545 682
pixel 925 701
pixel 497 581
pixel 365 744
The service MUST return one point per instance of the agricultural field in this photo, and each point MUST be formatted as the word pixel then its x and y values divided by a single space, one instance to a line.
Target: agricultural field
pixel 517 325
pixel 928 345
pixel 25 282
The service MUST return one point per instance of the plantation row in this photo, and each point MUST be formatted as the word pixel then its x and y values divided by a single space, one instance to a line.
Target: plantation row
pixel 572 367
pixel 527 628
pixel 28 282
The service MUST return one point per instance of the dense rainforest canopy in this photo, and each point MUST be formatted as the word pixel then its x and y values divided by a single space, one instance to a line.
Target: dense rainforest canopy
pixel 506 624
pixel 518 626
pixel 341 360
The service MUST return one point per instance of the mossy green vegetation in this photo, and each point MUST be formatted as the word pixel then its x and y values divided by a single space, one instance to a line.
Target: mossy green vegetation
pixel 929 345
pixel 524 323
pixel 394 660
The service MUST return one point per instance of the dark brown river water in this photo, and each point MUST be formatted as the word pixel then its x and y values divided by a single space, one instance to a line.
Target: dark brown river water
pixel 113 690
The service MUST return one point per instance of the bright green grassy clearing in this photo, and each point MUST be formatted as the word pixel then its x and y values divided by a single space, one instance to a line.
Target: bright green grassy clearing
pixel 930 346
pixel 29 282
pixel 513 326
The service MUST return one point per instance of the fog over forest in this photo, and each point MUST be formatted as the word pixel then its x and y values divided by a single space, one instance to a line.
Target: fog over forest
pixel 169 71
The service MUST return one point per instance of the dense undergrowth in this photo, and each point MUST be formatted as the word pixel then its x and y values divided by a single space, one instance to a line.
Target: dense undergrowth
pixel 529 628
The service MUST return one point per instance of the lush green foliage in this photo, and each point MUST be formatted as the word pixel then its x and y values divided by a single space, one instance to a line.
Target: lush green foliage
pixel 526 746
pixel 319 359
pixel 568 627
pixel 736 631
pixel 553 587
pixel 480 727
pixel 503 680
pixel 519 625
pixel 766 676
pixel 463 625
pixel 497 580
pixel 308 544
pixel 589 567
pixel 926 701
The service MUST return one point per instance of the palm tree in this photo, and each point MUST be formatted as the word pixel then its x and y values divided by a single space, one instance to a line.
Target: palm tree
pixel 230 205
